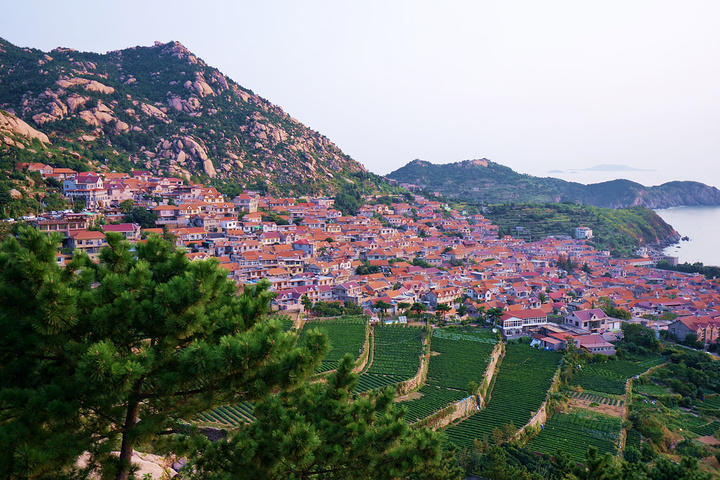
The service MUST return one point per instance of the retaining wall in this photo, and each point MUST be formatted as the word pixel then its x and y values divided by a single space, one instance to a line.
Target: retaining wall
pixel 419 379
pixel 469 405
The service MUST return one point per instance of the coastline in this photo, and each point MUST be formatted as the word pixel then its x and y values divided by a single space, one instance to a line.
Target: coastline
pixel 701 224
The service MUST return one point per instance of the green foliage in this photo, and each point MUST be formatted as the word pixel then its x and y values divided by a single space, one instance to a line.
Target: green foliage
pixel 142 216
pixel 366 269
pixel 521 386
pixel 619 230
pixel 710 272
pixel 640 335
pixel 348 199
pixel 103 356
pixel 396 357
pixel 420 262
pixel 323 431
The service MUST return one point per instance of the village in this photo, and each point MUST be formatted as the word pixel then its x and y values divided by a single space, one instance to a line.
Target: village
pixel 416 260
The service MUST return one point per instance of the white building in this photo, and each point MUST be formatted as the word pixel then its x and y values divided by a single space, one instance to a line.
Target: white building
pixel 583 232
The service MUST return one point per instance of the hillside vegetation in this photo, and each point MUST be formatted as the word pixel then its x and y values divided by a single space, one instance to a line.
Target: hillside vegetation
pixel 489 182
pixel 619 230
pixel 163 109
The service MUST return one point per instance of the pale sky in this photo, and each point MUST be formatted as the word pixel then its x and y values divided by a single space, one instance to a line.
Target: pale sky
pixel 534 85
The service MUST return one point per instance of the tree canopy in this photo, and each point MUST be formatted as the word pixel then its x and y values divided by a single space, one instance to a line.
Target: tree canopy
pixel 323 431
pixel 99 357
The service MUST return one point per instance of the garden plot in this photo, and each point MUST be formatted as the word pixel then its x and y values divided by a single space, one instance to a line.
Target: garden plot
pixel 395 359
pixel 457 359
pixel 344 336
pixel 521 386
pixel 574 432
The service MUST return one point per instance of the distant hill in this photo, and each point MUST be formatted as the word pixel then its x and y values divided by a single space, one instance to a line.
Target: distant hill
pixel 490 182
pixel 161 108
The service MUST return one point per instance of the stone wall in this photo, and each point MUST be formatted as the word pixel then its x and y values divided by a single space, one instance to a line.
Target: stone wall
pixel 541 415
pixel 469 405
pixel 489 376
pixel 626 408
pixel 419 379
pixel 362 361
pixel 457 411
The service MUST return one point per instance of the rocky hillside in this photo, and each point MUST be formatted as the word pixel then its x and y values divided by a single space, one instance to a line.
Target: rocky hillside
pixel 163 109
pixel 490 182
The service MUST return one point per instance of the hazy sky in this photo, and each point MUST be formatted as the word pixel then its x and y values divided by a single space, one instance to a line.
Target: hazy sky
pixel 535 85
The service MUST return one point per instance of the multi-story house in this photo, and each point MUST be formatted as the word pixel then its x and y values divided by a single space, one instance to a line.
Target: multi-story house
pixel 522 322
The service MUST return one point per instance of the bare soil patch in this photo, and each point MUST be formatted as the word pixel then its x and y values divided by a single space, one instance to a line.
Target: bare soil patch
pixel 409 396
pixel 615 411
pixel 709 440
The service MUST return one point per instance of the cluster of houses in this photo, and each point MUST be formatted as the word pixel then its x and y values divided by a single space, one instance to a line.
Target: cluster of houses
pixel 415 251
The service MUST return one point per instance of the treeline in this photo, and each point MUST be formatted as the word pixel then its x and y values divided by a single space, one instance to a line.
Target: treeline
pixel 710 272
pixel 119 354
pixel 621 231
pixel 509 461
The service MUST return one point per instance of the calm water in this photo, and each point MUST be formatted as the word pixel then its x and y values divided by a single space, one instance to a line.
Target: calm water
pixel 702 225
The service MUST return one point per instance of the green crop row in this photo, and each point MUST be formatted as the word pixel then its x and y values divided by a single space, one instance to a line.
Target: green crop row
pixel 456 360
pixel 396 357
pixel 230 415
pixel 523 380
pixel 480 337
pixel 432 400
pixel 610 377
pixel 344 336
pixel 574 432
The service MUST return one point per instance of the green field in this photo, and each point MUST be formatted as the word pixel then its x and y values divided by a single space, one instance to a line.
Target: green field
pixel 229 415
pixel 344 336
pixel 522 383
pixel 574 432
pixel 600 398
pixel 457 358
pixel 396 357
pixel 610 377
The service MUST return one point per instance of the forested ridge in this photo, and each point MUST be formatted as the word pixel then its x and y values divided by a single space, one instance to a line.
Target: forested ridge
pixel 490 182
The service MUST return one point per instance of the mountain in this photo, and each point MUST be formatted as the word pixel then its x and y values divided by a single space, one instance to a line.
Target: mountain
pixel 490 182
pixel 161 108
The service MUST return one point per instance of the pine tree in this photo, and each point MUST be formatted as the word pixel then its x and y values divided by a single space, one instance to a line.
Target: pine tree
pixel 323 431
pixel 99 356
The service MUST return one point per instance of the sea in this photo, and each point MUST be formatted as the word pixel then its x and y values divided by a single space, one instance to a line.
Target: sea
pixel 700 224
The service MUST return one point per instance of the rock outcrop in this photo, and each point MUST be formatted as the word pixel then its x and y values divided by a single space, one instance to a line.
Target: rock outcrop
pixel 13 125
pixel 164 109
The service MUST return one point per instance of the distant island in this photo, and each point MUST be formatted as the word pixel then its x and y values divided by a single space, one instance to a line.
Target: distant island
pixel 485 181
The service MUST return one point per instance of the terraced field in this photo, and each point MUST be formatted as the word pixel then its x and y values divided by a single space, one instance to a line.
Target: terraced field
pixel 229 415
pixel 599 398
pixel 610 377
pixel 574 432
pixel 396 357
pixel 523 380
pixel 708 428
pixel 287 323
pixel 457 358
pixel 344 336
